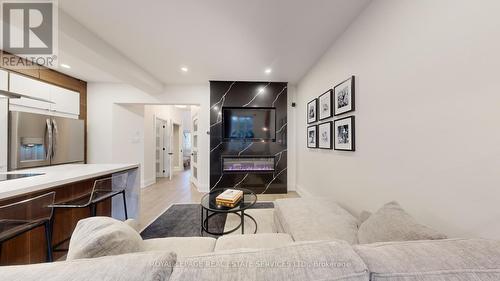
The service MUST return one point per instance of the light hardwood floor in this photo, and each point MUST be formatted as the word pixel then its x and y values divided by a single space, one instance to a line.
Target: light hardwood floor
pixel 156 198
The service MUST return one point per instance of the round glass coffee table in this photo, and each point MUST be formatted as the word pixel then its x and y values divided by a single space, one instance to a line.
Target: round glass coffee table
pixel 209 209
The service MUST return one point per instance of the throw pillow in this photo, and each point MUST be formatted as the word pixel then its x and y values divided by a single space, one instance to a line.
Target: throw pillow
pixel 102 236
pixel 392 223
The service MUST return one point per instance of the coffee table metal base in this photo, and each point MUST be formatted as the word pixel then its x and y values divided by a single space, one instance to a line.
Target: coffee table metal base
pixel 205 216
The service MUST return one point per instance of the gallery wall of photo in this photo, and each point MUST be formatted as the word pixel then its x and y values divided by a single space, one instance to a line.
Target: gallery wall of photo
pixel 338 134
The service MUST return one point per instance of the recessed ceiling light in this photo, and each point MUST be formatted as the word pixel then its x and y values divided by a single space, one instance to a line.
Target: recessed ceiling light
pixel 268 71
pixel 180 106
pixel 261 90
pixel 184 69
pixel 65 65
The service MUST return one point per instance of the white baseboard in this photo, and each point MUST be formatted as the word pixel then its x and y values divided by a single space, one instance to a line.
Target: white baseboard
pixel 148 182
pixel 302 192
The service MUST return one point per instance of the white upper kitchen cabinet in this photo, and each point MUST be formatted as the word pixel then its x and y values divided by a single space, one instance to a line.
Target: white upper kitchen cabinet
pixel 4 80
pixel 30 87
pixel 3 121
pixel 65 101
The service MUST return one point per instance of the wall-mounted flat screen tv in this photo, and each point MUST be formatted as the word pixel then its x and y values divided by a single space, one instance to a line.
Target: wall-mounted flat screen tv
pixel 249 123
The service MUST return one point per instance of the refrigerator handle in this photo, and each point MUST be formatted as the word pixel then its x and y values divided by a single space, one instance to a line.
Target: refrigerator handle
pixel 48 139
pixel 55 136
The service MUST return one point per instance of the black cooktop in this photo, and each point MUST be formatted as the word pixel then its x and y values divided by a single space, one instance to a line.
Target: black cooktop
pixel 5 177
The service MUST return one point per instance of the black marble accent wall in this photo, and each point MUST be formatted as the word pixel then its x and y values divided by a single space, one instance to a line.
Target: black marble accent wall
pixel 248 94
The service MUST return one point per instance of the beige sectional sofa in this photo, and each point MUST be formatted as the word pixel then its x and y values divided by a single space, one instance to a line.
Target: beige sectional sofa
pixel 314 249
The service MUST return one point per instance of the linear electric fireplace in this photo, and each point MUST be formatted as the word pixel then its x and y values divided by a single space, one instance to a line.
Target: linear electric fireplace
pixel 248 164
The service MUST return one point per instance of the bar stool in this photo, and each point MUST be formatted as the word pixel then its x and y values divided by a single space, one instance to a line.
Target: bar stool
pixel 102 189
pixel 23 216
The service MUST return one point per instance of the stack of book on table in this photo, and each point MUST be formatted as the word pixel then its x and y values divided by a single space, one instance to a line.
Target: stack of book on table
pixel 229 198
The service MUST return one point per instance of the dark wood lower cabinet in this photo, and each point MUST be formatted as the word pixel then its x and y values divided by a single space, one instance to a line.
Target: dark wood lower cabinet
pixel 30 247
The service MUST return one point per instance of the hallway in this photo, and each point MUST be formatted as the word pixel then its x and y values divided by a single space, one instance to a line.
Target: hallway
pixel 156 198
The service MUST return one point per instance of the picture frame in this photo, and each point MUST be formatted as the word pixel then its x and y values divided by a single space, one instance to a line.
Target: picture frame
pixel 345 134
pixel 312 136
pixel 344 97
pixel 325 105
pixel 325 140
pixel 312 111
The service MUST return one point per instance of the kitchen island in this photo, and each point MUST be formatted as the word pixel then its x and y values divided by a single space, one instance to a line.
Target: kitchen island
pixel 68 181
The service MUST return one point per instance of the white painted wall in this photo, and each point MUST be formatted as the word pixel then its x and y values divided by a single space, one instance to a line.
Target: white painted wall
pixel 186 119
pixel 427 114
pixel 104 119
pixel 128 135
pixel 101 99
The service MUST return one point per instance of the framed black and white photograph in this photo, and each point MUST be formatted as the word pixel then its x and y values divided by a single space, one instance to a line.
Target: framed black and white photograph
pixel 325 105
pixel 343 97
pixel 312 136
pixel 344 138
pixel 325 135
pixel 312 111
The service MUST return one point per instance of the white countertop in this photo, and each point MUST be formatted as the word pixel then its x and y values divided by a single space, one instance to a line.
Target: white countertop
pixel 55 176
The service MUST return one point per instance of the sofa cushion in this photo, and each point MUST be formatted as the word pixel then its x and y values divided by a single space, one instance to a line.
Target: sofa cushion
pixel 433 260
pixel 102 236
pixel 392 223
pixel 309 219
pixel 253 241
pixel 306 261
pixel 182 246
pixel 151 266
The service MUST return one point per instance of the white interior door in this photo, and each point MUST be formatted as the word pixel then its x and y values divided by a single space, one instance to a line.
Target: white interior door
pixel 177 147
pixel 169 142
pixel 194 150
pixel 160 155
pixel 163 144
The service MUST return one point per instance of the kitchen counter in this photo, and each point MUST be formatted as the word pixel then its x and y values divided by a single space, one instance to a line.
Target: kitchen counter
pixel 68 181
pixel 55 176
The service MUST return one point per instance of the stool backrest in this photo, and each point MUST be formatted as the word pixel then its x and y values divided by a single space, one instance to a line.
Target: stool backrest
pixel 32 209
pixel 115 183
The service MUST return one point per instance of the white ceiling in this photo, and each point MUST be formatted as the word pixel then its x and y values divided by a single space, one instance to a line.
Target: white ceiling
pixel 216 39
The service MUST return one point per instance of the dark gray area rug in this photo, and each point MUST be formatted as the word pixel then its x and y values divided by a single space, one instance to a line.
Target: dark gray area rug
pixel 183 220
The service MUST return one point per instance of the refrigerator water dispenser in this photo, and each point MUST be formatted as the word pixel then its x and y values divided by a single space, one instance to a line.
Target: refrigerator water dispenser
pixel 31 149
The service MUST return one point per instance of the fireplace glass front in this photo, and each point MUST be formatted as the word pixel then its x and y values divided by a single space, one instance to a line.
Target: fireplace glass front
pixel 261 164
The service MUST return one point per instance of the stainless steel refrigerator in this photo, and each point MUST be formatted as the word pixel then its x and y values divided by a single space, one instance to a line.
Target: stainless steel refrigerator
pixel 37 140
